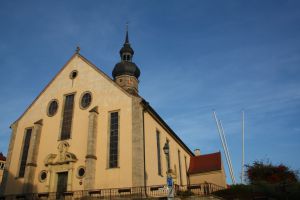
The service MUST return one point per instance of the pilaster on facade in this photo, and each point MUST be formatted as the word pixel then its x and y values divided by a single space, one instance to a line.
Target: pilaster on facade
pixel 5 176
pixel 138 159
pixel 89 180
pixel 31 164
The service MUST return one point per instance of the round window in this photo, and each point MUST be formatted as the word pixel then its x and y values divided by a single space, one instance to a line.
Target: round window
pixel 73 74
pixel 80 172
pixel 43 176
pixel 86 100
pixel 52 108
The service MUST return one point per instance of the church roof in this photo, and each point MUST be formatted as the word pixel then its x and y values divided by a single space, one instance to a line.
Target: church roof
pixel 2 157
pixel 205 163
pixel 156 116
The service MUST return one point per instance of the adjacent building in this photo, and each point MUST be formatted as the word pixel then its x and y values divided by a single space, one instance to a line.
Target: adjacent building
pixel 2 165
pixel 207 168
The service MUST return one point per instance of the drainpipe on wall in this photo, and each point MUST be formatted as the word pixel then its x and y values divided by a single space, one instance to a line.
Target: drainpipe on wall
pixel 187 173
pixel 145 107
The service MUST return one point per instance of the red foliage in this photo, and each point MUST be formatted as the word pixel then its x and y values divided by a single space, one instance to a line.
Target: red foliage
pixel 260 171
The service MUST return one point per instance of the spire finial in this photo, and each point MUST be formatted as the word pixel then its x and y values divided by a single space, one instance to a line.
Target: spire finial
pixel 127 39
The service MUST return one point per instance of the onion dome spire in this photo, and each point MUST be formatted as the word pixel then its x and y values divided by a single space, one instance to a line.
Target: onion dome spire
pixel 126 66
pixel 126 52
pixel 126 73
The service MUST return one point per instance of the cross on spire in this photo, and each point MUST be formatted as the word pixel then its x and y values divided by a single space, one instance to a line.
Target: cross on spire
pixel 127 39
pixel 77 49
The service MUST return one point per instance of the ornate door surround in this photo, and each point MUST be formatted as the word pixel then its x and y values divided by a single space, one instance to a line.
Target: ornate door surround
pixel 60 163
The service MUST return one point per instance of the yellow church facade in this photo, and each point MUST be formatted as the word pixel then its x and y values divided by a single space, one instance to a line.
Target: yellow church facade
pixel 88 131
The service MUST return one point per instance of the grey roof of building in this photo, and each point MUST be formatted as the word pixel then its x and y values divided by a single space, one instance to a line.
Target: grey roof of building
pixel 126 68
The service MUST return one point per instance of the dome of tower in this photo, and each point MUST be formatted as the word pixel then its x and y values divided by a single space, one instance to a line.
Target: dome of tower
pixel 126 49
pixel 126 68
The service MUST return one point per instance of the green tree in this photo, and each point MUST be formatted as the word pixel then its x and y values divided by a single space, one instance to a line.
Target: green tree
pixel 267 172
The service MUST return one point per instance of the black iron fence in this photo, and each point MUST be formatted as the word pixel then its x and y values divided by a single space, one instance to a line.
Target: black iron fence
pixel 157 191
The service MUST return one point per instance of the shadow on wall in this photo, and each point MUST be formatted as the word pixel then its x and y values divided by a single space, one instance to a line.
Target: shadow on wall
pixel 15 187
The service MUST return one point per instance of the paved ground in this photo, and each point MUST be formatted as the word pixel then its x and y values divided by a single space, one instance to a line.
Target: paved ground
pixel 191 198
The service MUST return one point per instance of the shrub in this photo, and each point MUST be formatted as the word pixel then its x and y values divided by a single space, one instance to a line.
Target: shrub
pixel 270 173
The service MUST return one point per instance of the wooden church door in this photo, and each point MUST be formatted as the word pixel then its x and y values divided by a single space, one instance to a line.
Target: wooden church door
pixel 62 183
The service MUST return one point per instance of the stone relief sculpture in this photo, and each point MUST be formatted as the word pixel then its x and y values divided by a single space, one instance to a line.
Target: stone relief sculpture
pixel 63 156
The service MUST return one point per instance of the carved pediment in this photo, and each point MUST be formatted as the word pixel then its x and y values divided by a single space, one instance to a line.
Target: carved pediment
pixel 63 156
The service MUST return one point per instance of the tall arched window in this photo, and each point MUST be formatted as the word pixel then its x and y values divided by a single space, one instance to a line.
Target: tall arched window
pixel 114 140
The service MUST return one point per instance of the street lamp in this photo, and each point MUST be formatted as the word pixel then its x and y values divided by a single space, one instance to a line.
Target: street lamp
pixel 167 152
pixel 170 183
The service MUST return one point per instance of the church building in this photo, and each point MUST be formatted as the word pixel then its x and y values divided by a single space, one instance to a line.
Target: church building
pixel 88 131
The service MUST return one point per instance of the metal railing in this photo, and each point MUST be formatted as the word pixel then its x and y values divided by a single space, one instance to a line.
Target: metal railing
pixel 157 191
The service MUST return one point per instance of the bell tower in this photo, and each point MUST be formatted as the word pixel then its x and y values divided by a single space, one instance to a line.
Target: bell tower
pixel 126 72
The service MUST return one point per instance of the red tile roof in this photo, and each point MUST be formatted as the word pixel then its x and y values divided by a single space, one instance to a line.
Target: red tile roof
pixel 205 163
pixel 3 158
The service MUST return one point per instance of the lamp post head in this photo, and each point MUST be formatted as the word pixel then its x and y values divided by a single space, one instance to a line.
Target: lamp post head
pixel 166 148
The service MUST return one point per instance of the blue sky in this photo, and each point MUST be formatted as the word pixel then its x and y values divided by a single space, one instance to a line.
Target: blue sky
pixel 194 56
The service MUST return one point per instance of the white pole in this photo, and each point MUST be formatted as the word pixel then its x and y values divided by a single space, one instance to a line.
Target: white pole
pixel 226 156
pixel 243 146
